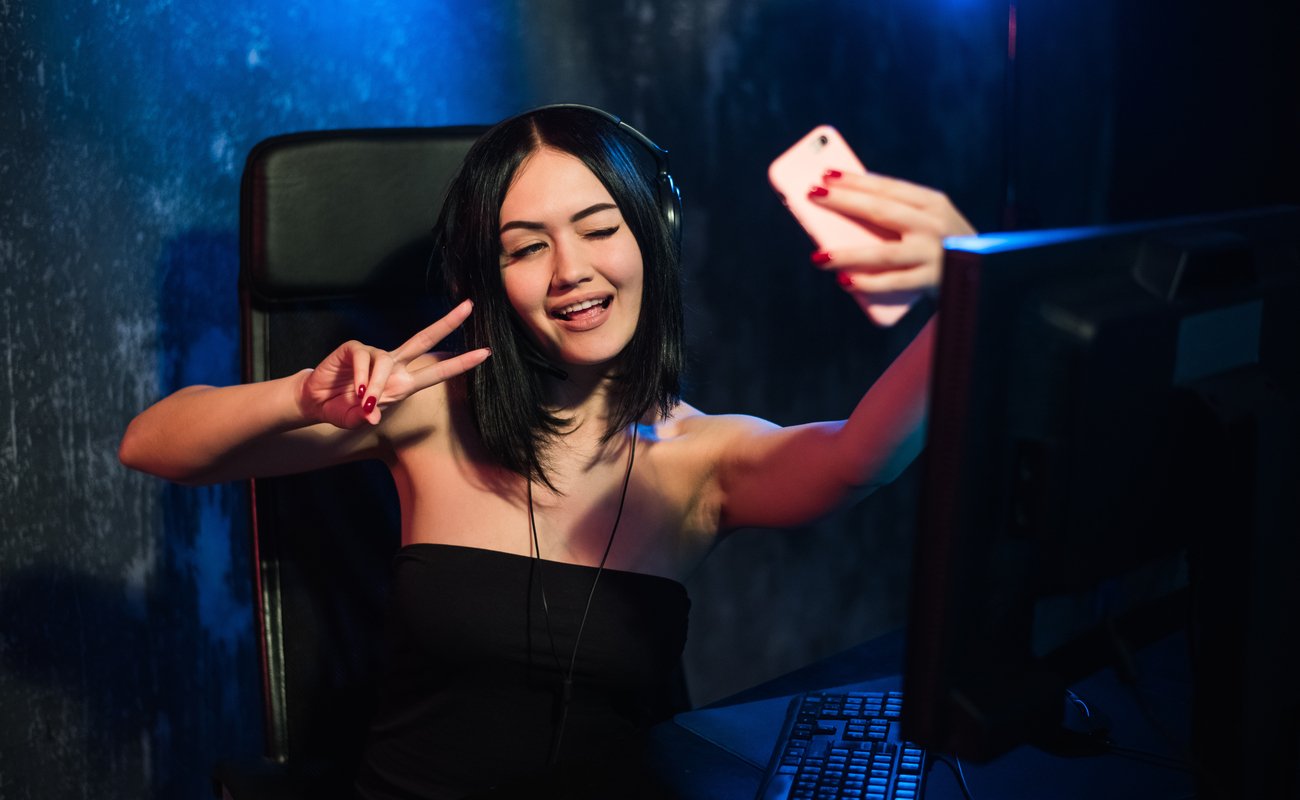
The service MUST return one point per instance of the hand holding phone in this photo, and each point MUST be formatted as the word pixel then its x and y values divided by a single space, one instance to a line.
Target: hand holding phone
pixel 800 168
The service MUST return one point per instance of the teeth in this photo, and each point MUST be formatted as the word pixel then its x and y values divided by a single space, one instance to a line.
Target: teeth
pixel 576 307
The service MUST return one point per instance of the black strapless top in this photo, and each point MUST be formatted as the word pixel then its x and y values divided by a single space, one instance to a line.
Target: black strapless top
pixel 469 697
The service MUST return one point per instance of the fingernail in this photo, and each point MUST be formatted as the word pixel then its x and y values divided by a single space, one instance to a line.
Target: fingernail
pixel 361 391
pixel 832 174
pixel 818 191
pixel 369 405
pixel 844 279
pixel 820 257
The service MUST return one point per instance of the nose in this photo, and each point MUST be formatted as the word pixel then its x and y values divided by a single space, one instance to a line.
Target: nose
pixel 570 267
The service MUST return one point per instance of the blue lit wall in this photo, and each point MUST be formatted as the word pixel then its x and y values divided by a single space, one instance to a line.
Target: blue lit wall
pixel 127 658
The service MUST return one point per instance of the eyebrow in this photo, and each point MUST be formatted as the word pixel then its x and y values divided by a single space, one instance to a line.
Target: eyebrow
pixel 583 214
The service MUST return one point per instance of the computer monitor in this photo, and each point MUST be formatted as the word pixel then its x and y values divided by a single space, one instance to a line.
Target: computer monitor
pixel 1111 459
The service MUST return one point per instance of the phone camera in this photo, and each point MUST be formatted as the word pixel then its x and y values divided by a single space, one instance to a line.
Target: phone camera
pixel 822 140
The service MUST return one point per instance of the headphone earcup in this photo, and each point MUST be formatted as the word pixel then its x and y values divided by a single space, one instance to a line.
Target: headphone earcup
pixel 670 205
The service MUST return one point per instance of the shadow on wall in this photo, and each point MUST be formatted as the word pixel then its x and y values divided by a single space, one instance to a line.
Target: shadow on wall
pixel 116 682
pixel 135 686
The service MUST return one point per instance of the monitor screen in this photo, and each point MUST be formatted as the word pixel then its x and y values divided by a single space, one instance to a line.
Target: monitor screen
pixel 1112 442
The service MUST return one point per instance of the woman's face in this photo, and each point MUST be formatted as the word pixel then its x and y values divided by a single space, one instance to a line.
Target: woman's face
pixel 571 268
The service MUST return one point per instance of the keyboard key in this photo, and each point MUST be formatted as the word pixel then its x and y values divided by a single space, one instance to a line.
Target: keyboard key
pixel 845 746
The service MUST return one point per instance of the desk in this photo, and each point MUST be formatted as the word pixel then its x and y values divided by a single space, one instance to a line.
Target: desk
pixel 719 752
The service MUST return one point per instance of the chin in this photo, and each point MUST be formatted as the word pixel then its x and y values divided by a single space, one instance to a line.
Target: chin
pixel 587 354
pixel 587 358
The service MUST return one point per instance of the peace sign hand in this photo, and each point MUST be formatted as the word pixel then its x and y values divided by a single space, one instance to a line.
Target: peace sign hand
pixel 355 383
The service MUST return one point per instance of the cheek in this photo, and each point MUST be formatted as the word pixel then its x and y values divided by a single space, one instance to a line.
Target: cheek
pixel 631 269
pixel 521 292
pixel 635 268
pixel 636 277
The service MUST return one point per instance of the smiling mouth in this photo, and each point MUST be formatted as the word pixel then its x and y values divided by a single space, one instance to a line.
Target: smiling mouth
pixel 583 309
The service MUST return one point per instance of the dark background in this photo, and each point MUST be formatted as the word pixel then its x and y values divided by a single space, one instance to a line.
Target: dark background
pixel 127 657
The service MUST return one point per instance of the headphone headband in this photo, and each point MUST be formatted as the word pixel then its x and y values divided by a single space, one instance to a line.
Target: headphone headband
pixel 669 196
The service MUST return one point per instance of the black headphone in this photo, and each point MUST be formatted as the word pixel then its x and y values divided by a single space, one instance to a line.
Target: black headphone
pixel 666 191
pixel 667 194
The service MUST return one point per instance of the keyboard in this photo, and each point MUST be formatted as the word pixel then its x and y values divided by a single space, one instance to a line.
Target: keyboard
pixel 844 745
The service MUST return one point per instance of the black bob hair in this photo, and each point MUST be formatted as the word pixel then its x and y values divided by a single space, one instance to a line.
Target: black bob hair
pixel 506 394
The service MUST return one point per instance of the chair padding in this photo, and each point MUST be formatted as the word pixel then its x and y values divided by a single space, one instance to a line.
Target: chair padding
pixel 336 212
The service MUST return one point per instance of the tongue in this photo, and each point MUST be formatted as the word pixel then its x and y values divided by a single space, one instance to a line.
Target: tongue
pixel 585 313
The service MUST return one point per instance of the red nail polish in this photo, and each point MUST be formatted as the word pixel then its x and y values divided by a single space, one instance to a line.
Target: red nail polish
pixel 832 174
pixel 361 391
pixel 844 279
pixel 820 257
pixel 370 404
pixel 818 191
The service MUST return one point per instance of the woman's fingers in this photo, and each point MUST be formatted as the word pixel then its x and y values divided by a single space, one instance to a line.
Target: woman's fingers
pixel 921 278
pixel 393 382
pixel 940 214
pixel 910 261
pixel 382 368
pixel 883 256
pixel 878 209
pixel 446 368
pixel 353 384
pixel 425 340
pixel 360 371
pixel 338 408
pixel 914 194
pixel 336 382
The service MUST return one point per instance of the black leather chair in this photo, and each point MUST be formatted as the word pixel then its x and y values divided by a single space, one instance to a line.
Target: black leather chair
pixel 335 235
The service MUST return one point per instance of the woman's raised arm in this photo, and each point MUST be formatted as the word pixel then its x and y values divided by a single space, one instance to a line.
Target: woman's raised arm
pixel 782 477
pixel 312 419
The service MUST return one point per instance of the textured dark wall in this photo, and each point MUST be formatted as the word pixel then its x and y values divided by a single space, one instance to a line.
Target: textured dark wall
pixel 127 660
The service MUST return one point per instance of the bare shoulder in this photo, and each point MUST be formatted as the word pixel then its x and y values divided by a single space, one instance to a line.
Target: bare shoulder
pixel 696 447
pixel 705 439
pixel 688 421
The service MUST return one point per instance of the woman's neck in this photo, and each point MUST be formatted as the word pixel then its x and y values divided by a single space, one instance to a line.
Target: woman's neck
pixel 583 396
pixel 584 400
pixel 580 398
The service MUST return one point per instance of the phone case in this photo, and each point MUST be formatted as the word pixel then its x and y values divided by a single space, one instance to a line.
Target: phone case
pixel 799 169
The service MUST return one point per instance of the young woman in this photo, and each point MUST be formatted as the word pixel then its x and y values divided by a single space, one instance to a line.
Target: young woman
pixel 554 489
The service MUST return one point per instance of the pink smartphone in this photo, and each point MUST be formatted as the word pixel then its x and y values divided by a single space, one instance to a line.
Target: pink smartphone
pixel 799 169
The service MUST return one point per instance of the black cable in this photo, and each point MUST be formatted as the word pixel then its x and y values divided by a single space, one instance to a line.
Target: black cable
pixel 1144 756
pixel 956 770
pixel 1147 757
pixel 566 684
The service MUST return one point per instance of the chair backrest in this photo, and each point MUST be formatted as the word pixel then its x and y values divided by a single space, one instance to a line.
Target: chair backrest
pixel 335 235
